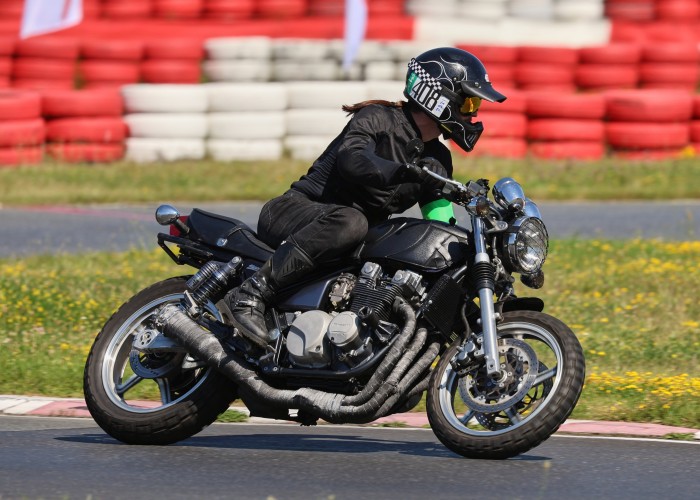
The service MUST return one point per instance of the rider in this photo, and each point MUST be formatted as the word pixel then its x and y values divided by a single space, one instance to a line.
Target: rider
pixel 365 175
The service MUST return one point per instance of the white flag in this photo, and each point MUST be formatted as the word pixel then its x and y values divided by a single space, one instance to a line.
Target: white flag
pixel 44 16
pixel 355 26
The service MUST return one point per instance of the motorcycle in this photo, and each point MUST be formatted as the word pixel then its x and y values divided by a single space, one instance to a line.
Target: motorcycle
pixel 420 306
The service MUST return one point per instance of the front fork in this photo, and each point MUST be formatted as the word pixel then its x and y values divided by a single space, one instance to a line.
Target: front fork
pixel 486 283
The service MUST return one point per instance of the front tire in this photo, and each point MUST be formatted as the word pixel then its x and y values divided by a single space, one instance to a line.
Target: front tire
pixel 477 418
pixel 182 396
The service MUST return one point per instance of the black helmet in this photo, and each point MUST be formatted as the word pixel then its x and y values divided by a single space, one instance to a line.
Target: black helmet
pixel 448 84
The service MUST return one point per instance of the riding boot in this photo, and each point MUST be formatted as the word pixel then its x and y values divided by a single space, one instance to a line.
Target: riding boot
pixel 249 301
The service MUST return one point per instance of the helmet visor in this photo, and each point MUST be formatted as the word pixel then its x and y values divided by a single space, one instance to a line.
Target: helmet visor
pixel 471 105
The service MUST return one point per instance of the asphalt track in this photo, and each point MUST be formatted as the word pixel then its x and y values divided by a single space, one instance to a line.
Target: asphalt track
pixel 71 229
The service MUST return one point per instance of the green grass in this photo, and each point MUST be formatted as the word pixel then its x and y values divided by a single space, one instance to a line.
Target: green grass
pixel 55 183
pixel 631 303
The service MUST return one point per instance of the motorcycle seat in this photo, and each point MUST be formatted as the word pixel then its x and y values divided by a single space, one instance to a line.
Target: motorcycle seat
pixel 228 233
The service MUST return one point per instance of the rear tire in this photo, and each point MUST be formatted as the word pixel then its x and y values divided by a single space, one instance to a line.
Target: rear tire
pixel 191 398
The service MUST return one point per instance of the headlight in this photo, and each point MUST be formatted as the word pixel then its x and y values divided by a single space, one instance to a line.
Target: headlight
pixel 525 245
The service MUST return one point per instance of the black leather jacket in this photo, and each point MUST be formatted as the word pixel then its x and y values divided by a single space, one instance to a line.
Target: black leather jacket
pixel 364 165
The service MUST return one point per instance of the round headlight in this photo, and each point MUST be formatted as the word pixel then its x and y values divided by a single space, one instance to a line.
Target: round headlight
pixel 525 245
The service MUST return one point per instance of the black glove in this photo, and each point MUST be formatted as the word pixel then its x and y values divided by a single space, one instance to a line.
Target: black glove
pixel 434 166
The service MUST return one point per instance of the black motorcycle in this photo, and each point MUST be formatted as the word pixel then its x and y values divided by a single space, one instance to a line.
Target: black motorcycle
pixel 419 306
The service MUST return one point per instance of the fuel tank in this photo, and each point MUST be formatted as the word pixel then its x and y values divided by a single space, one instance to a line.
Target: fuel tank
pixel 420 245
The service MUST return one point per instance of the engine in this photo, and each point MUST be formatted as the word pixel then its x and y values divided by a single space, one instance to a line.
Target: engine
pixel 358 322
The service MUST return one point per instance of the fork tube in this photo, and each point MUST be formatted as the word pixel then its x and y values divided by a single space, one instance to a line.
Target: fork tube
pixel 485 283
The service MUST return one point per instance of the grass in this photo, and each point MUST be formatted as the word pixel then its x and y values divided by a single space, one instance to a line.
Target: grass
pixel 123 182
pixel 631 303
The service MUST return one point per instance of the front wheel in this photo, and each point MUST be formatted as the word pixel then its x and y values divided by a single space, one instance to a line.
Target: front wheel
pixel 157 398
pixel 543 370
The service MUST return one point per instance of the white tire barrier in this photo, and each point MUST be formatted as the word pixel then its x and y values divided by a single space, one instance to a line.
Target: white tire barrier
pixel 256 48
pixel 315 121
pixel 237 70
pixel 382 70
pixel 167 125
pixel 322 95
pixel 247 125
pixel 387 90
pixel 306 147
pixel 483 9
pixel 147 150
pixel 226 97
pixel 301 50
pixel 145 98
pixel 285 70
pixel 243 150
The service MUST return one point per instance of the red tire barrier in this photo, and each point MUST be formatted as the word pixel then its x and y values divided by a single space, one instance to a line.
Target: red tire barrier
pixel 110 71
pixel 282 9
pixel 606 76
pixel 47 48
pixel 568 150
pixel 548 55
pixel 175 48
pixel 696 106
pixel 501 124
pixel 502 74
pixel 177 9
pixel 560 129
pixel 327 8
pixel 552 105
pixel 695 131
pixel 648 106
pixel 82 103
pixel 126 9
pixel 496 147
pixel 44 69
pixel 384 7
pixel 629 135
pixel 670 52
pixel 5 82
pixel 154 71
pixel 22 132
pixel 648 154
pixel 39 84
pixel 516 102
pixel 614 53
pixel 677 10
pixel 21 156
pixel 5 66
pixel 93 130
pixel 229 10
pixel 684 74
pixel 79 153
pixel 492 54
pixel 112 50
pixel 543 74
pixel 11 10
pixel 7 46
pixel 630 11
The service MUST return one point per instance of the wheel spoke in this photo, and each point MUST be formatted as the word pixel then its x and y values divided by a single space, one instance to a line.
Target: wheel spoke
pixel 121 389
pixel 467 417
pixel 164 386
pixel 544 376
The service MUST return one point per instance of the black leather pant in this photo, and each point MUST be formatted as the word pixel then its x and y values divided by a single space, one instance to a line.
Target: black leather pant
pixel 323 230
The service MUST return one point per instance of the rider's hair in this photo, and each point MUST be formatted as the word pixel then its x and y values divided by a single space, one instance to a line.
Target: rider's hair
pixel 351 109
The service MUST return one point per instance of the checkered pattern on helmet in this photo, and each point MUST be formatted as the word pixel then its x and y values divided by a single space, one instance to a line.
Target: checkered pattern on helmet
pixel 423 74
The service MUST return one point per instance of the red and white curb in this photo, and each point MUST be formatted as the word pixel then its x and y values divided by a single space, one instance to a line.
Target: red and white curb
pixel 75 407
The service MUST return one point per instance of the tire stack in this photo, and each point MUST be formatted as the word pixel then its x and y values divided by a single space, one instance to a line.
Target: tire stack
pixel 670 65
pixel 653 124
pixel 11 10
pixel 166 122
pixel 546 68
pixel 177 9
pixel 238 59
pixel 677 10
pixel 303 60
pixel 613 66
pixel 566 126
pixel 499 61
pixel 172 61
pixel 326 8
pixel 228 10
pixel 110 63
pixel 7 50
pixel 505 128
pixel 246 121
pixel 695 125
pixel 22 128
pixel 630 10
pixel 314 117
pixel 45 63
pixel 120 10
pixel 84 125
pixel 281 9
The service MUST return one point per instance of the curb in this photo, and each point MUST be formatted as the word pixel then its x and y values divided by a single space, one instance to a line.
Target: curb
pixel 75 407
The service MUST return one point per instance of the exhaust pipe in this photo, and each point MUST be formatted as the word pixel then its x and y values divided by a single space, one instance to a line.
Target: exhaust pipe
pixel 332 407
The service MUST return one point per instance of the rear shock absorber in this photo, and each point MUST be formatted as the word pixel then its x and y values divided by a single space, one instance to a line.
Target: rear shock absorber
pixel 210 283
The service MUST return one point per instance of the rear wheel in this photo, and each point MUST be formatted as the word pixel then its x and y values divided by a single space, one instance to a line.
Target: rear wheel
pixel 543 372
pixel 142 398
